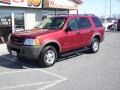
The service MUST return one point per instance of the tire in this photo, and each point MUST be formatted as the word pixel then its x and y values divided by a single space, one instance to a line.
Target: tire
pixel 94 47
pixel 48 56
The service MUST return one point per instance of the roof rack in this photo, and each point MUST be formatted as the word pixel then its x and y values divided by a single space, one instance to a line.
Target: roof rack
pixel 87 14
pixel 77 14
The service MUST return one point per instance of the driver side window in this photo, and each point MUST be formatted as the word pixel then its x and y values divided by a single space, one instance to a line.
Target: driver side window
pixel 73 24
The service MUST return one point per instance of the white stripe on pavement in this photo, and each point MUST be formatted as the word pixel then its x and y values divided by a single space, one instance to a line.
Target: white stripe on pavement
pixel 25 85
pixel 50 83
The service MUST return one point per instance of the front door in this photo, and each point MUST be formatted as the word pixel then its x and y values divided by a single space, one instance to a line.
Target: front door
pixel 5 26
pixel 72 37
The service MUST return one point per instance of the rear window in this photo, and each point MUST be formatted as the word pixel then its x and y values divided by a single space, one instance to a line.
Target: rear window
pixel 97 22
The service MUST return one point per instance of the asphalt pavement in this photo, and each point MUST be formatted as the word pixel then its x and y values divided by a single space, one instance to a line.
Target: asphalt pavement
pixel 80 71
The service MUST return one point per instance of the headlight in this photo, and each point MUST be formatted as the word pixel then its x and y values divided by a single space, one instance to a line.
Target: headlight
pixel 32 42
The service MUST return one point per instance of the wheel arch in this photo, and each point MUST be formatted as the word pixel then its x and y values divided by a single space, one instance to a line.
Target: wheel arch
pixel 52 43
pixel 96 36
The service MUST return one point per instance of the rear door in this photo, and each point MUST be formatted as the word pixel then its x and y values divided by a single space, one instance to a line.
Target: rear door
pixel 85 29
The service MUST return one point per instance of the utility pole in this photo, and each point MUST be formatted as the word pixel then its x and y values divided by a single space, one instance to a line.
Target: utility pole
pixel 110 8
pixel 105 9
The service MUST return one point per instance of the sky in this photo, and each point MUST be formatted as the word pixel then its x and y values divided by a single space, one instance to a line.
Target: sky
pixel 97 7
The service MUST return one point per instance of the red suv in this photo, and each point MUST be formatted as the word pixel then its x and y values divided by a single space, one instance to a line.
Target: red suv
pixel 55 36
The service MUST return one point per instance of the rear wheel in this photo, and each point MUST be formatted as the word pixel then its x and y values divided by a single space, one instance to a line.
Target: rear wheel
pixel 48 56
pixel 94 47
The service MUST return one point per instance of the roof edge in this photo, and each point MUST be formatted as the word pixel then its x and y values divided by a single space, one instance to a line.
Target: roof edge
pixel 77 1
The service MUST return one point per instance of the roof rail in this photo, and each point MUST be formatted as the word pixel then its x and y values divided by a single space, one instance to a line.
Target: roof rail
pixel 71 14
pixel 78 14
pixel 87 14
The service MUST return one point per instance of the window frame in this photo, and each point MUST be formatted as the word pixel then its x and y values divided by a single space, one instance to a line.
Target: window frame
pixel 96 19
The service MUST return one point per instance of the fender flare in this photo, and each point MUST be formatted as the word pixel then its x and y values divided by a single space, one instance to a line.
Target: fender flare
pixel 49 42
pixel 96 34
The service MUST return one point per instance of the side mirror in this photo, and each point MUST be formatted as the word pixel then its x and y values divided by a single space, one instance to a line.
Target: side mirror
pixel 68 29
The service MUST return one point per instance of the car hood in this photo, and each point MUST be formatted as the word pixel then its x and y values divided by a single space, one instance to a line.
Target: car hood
pixel 34 33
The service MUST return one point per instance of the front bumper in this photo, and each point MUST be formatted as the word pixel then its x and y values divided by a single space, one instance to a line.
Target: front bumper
pixel 26 52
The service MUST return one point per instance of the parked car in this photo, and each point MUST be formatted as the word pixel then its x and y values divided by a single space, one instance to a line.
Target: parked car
pixel 55 36
pixel 114 26
pixel 118 24
pixel 110 25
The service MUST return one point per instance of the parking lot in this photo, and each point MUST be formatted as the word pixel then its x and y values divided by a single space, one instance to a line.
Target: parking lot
pixel 80 71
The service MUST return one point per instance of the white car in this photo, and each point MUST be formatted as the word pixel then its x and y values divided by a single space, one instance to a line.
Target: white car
pixel 110 25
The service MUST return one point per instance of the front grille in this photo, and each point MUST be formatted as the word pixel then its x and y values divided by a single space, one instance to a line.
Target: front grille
pixel 15 49
pixel 16 39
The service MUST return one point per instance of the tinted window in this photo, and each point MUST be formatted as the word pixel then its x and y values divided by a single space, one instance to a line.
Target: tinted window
pixel 97 22
pixel 84 23
pixel 73 24
pixel 52 23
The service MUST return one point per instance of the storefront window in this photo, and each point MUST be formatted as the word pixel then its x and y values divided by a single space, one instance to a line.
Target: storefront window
pixel 5 19
pixel 5 26
pixel 19 20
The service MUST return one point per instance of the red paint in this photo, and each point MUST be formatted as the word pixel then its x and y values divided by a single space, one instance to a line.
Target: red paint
pixel 18 1
pixel 67 40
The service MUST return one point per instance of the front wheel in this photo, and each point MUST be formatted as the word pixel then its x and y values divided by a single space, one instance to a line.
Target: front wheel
pixel 94 47
pixel 48 56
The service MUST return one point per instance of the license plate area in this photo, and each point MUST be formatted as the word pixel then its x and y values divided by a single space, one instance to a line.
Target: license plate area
pixel 14 53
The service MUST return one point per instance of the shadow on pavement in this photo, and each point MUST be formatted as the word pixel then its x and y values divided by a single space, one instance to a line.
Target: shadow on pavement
pixel 9 61
pixel 113 31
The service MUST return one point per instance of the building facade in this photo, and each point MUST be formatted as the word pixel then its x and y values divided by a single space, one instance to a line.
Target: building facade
pixel 17 15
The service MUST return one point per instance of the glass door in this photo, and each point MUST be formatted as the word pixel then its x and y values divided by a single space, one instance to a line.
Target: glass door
pixel 19 21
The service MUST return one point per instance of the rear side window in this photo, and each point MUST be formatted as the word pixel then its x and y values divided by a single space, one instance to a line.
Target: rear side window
pixel 97 22
pixel 84 23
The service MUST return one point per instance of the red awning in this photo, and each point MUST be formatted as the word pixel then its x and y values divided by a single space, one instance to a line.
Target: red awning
pixel 78 1
pixel 5 1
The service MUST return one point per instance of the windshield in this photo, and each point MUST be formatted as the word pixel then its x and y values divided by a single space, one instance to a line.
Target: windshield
pixel 52 23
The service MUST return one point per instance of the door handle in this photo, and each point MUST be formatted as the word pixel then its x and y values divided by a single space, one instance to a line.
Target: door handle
pixel 92 31
pixel 77 33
